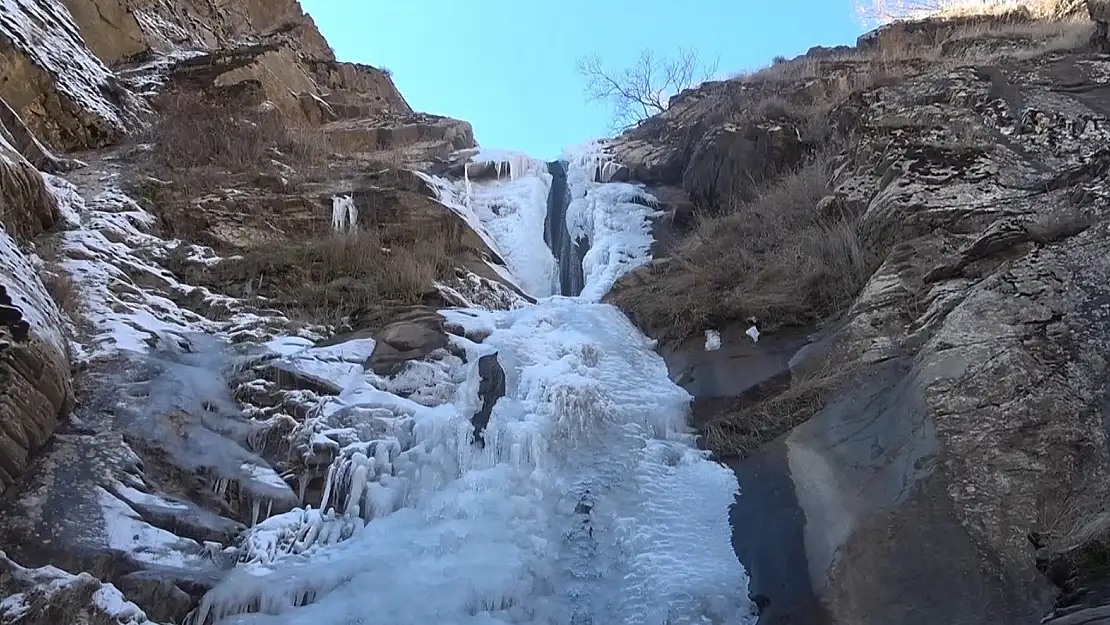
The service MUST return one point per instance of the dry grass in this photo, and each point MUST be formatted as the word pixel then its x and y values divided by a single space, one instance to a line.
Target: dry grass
pixel 63 290
pixel 872 11
pixel 773 258
pixel 325 279
pixel 71 604
pixel 1074 523
pixel 197 142
pixel 748 424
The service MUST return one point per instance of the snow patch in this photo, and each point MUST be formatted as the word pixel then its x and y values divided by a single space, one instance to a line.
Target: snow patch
pixel 712 340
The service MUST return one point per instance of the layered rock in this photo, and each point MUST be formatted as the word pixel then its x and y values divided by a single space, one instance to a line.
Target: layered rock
pixel 35 385
pixel 55 83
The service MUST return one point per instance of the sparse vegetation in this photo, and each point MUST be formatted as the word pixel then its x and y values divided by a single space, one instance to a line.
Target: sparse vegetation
pixel 63 290
pixel 326 278
pixel 195 142
pixel 774 258
pixel 878 11
pixel 644 89
pixel 747 424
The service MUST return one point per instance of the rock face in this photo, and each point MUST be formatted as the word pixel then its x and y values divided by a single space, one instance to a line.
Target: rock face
pixel 1100 15
pixel 978 414
pixel 35 385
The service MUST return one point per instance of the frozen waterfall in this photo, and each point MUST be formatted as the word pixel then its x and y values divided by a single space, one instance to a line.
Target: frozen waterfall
pixel 587 504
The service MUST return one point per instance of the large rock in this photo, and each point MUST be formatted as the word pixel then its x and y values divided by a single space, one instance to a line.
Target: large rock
pixel 410 336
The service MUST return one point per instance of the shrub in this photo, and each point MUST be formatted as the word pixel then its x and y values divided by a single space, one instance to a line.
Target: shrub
pixel 327 278
pixel 197 140
pixel 773 258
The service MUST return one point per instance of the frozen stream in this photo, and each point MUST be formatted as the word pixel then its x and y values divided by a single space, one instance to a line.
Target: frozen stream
pixel 585 501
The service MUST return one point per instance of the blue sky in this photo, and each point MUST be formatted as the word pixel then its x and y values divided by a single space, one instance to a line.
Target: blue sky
pixel 509 67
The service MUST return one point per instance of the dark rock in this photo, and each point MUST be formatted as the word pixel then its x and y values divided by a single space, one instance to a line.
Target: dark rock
pixel 491 387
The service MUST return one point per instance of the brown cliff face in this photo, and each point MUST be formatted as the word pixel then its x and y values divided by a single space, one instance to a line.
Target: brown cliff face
pixel 934 218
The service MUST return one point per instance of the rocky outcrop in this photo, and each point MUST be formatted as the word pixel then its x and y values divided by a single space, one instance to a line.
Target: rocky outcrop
pixel 1100 15
pixel 976 413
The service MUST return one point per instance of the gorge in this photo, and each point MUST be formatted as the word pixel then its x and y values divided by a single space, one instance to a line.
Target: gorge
pixel 825 343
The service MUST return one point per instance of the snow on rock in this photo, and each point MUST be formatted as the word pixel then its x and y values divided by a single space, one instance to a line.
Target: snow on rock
pixel 45 31
pixel 469 290
pixel 42 594
pixel 712 340
pixel 127 295
pixel 19 279
pixel 421 525
pixel 127 531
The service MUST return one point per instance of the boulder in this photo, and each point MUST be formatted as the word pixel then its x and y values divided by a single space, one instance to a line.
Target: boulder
pixel 410 336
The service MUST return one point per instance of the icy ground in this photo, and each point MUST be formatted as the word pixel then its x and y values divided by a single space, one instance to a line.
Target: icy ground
pixel 584 501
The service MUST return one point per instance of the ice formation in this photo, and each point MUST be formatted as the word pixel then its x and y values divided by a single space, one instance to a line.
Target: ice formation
pixel 587 500
pixel 344 213
pixel 712 340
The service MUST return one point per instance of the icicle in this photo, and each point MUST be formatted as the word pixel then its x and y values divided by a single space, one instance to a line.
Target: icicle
pixel 344 213
pixel 329 484
pixel 466 177
pixel 255 510
pixel 302 486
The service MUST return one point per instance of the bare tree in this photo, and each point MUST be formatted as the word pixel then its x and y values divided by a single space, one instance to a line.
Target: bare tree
pixel 644 89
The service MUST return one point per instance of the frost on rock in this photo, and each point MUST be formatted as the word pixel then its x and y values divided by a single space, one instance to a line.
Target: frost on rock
pixel 19 279
pixel 712 340
pixel 49 594
pixel 45 31
pixel 469 290
pixel 420 525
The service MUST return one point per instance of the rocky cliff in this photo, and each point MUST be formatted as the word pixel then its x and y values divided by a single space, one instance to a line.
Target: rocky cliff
pixel 917 225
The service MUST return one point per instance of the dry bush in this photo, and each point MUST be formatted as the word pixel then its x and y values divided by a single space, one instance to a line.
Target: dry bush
pixel 327 278
pixel 773 258
pixel 197 140
pixel 63 290
pixel 746 425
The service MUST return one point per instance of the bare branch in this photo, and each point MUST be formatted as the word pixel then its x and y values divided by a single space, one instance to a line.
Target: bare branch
pixel 645 88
